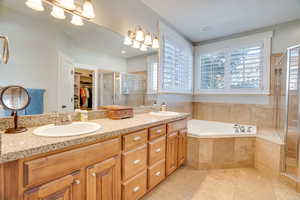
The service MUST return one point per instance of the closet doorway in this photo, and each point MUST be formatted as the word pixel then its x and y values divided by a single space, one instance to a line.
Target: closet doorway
pixel 84 91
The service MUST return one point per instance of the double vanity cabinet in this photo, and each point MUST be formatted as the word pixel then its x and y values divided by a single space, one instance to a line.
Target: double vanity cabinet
pixel 123 167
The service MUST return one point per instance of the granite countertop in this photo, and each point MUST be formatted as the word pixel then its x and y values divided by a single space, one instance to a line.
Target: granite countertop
pixel 26 144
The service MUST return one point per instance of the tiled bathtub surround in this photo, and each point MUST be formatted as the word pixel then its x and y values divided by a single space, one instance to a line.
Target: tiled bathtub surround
pixel 217 153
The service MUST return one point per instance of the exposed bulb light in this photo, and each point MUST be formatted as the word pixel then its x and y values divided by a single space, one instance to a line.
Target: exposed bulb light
pixel 35 5
pixel 76 20
pixel 148 39
pixel 136 44
pixel 58 12
pixel 127 41
pixel 88 10
pixel 68 4
pixel 143 47
pixel 139 35
pixel 155 43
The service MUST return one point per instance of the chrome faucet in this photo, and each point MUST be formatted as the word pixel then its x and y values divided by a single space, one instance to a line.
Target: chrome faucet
pixel 5 52
pixel 63 119
pixel 236 128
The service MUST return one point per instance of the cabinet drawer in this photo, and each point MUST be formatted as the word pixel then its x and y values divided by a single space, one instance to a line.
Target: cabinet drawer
pixel 177 125
pixel 157 150
pixel 157 131
pixel 134 162
pixel 156 174
pixel 50 167
pixel 135 188
pixel 135 140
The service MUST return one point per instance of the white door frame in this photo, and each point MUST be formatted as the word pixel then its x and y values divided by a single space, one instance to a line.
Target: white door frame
pixel 61 57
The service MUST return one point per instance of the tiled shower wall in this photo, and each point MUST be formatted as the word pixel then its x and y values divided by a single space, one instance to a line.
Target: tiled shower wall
pixel 259 115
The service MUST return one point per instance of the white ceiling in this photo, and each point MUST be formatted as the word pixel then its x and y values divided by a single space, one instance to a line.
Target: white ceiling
pixel 200 20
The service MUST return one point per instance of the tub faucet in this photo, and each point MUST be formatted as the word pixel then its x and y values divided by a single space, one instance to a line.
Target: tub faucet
pixel 236 128
pixel 249 129
pixel 242 129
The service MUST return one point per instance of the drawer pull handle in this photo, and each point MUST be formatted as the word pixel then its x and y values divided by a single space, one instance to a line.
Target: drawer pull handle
pixel 157 174
pixel 136 161
pixel 77 182
pixel 137 138
pixel 159 131
pixel 137 188
pixel 158 150
pixel 93 174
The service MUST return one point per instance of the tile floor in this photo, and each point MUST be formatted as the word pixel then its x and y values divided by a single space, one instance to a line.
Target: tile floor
pixel 227 184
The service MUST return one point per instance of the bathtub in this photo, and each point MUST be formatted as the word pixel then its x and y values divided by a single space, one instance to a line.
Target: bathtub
pixel 215 145
pixel 211 129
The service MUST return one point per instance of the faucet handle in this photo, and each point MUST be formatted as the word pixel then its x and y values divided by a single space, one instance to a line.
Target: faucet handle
pixel 249 129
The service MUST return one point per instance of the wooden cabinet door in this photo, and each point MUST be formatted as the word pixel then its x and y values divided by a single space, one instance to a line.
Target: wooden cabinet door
pixel 182 146
pixel 65 188
pixel 172 153
pixel 104 179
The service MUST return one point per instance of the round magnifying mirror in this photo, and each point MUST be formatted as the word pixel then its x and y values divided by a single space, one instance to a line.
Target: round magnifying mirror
pixel 15 98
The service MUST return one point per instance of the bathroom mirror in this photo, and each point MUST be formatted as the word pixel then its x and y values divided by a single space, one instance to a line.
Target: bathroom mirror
pixel 66 67
pixel 14 99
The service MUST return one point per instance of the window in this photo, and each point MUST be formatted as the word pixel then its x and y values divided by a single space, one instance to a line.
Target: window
pixel 293 68
pixel 238 66
pixel 177 67
pixel 152 73
pixel 212 71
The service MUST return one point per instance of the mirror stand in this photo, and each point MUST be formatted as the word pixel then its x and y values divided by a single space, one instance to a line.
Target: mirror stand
pixel 16 129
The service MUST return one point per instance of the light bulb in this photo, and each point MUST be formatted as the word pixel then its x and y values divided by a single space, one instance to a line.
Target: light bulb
pixel 68 4
pixel 58 13
pixel 155 43
pixel 136 44
pixel 35 5
pixel 88 10
pixel 143 47
pixel 76 20
pixel 127 41
pixel 139 35
pixel 148 39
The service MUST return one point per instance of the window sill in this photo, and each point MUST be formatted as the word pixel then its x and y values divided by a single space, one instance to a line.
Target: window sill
pixel 266 93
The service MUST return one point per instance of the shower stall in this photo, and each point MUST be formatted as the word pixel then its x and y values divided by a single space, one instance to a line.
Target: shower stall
pixel 288 109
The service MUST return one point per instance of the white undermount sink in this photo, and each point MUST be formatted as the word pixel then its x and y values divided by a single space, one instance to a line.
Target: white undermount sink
pixel 164 113
pixel 76 128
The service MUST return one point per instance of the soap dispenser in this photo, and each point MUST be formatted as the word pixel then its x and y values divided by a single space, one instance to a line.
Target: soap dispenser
pixel 163 107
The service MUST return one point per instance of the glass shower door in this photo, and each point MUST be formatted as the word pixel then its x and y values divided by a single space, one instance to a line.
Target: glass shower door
pixel 292 122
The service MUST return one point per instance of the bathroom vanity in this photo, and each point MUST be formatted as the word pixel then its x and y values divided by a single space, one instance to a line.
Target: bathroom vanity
pixel 124 160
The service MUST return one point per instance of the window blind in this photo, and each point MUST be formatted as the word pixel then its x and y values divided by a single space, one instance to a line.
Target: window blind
pixel 293 68
pixel 246 67
pixel 239 69
pixel 177 69
pixel 212 71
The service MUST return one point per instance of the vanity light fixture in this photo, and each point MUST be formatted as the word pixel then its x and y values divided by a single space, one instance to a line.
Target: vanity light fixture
pixel 139 35
pixel 58 13
pixel 143 47
pixel 68 4
pixel 35 5
pixel 155 43
pixel 88 10
pixel 136 44
pixel 138 39
pixel 148 39
pixel 60 7
pixel 76 20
